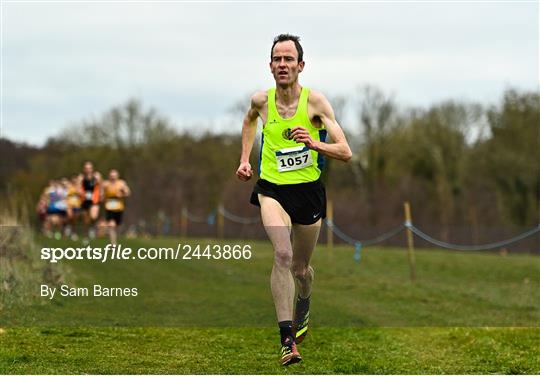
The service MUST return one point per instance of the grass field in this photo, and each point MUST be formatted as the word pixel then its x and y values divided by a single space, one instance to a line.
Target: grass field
pixel 253 350
pixel 467 313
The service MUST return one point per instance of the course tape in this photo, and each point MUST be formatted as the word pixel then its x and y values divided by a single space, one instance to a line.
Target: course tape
pixel 358 244
pixel 480 247
pixel 235 218
pixel 210 219
pixel 379 239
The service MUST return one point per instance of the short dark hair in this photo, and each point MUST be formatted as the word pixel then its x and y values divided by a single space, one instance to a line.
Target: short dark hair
pixel 286 37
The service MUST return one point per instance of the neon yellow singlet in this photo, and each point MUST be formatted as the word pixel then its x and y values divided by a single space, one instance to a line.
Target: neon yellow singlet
pixel 284 161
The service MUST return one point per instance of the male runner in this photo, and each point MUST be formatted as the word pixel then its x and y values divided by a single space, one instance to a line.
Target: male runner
pixel 55 198
pixel 91 194
pixel 74 206
pixel 289 191
pixel 116 190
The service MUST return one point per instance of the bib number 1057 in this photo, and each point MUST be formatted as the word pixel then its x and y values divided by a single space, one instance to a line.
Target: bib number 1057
pixel 295 158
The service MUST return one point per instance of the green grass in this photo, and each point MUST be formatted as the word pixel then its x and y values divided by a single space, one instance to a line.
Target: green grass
pixel 203 316
pixel 254 350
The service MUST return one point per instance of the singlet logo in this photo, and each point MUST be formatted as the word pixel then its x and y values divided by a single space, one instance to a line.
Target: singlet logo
pixel 286 133
pixel 273 121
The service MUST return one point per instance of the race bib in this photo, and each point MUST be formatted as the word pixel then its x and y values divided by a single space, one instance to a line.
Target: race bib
pixel 113 204
pixel 295 158
pixel 88 195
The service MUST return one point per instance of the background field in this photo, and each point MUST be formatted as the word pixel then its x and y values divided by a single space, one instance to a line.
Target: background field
pixel 203 316
pixel 453 289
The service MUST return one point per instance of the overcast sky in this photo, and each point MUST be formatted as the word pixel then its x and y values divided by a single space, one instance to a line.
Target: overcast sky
pixel 64 62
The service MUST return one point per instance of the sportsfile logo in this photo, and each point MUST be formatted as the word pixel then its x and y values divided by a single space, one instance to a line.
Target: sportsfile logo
pixel 118 252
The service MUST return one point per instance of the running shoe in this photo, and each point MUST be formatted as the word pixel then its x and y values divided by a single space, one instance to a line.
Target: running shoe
pixel 289 354
pixel 300 324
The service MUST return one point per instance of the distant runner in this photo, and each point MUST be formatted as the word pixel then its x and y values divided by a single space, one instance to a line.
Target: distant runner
pixel 73 205
pixel 90 196
pixel 116 190
pixel 54 197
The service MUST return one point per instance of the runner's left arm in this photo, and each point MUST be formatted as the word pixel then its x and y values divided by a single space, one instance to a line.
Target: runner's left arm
pixel 125 189
pixel 339 149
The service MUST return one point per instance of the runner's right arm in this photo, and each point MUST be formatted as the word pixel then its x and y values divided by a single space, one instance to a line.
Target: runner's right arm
pixel 102 188
pixel 249 128
pixel 99 180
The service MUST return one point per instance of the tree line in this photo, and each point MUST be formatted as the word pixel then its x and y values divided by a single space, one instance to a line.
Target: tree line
pixel 460 164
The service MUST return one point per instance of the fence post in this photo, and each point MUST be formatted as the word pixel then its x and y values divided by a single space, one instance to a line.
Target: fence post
pixel 183 223
pixel 474 224
pixel 330 225
pixel 220 222
pixel 410 241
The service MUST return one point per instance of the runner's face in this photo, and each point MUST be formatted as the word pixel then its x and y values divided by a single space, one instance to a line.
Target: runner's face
pixel 88 169
pixel 284 65
pixel 113 175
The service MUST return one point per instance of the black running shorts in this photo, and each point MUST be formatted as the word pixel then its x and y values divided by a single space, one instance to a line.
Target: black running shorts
pixel 86 204
pixel 305 203
pixel 115 216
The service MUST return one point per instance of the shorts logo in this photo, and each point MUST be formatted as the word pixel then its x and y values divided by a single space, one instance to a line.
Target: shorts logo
pixel 316 215
pixel 286 133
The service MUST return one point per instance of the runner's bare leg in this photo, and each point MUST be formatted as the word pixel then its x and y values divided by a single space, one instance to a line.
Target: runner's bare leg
pixel 304 241
pixel 277 224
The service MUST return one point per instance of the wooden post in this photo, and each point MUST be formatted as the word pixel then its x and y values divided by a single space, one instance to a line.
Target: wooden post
pixel 220 222
pixel 329 227
pixel 538 234
pixel 410 241
pixel 474 224
pixel 183 223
